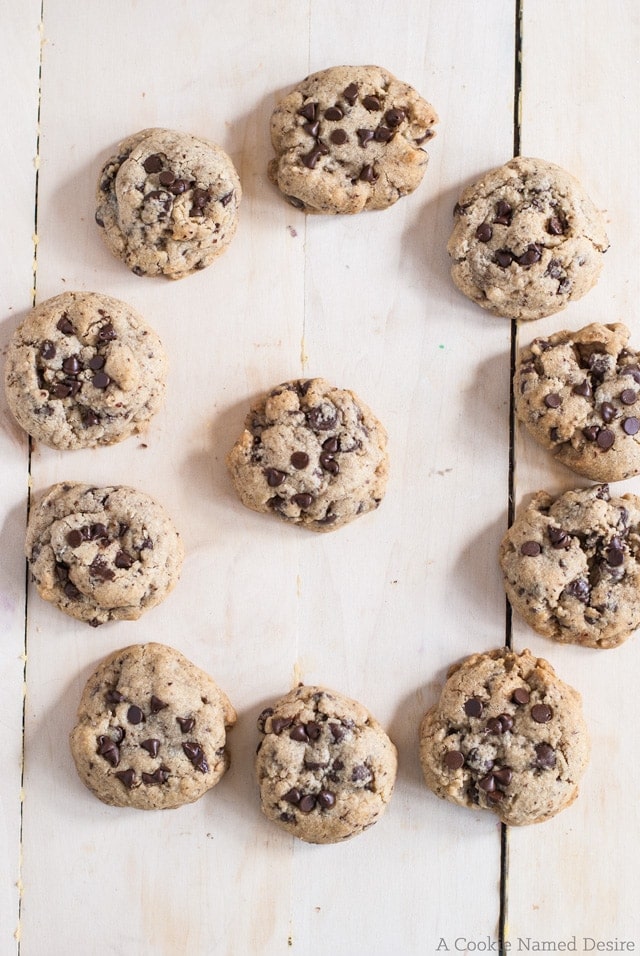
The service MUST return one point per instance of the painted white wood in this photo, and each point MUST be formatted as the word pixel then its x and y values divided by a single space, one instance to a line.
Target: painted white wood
pixel 19 109
pixel 573 877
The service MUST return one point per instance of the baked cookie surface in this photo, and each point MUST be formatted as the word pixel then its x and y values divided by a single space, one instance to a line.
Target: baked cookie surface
pixel 311 454
pixel 102 554
pixel 578 395
pixel 506 735
pixel 527 240
pixel 350 138
pixel 167 202
pixel 84 370
pixel 325 767
pixel 571 566
pixel 151 729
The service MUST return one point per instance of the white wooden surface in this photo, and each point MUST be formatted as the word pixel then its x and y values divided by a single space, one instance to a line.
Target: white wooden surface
pixel 377 610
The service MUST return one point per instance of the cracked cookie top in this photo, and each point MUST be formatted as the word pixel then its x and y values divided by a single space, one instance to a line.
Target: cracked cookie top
pixel 571 566
pixel 84 370
pixel 578 394
pixel 325 767
pixel 311 454
pixel 350 138
pixel 506 735
pixel 151 729
pixel 102 554
pixel 527 240
pixel 167 203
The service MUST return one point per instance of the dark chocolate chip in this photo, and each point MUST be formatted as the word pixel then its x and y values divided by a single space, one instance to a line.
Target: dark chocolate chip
pixel 541 713
pixel 503 776
pixel 153 163
pixel 553 400
pixel 579 589
pixel 195 754
pixel 372 103
pixel 311 158
pixel 628 396
pixel 504 212
pixel 179 186
pixel 166 177
pixel 292 796
pixel 339 137
pixel 326 799
pixel 101 570
pixel 337 732
pixel 530 549
pixel 503 258
pixel 555 226
pixel 545 757
pixel 364 136
pixel 100 380
pixel 299 734
pixel 614 555
pixel 159 776
pixel 453 759
pixel 583 388
pixel 313 729
pixel 334 113
pixel 633 371
pixel 605 439
pixel 278 724
pixel 75 538
pixel 47 349
pixel 156 705
pixel 631 426
pixel 303 500
pixel 107 333
pixel 60 390
pixel 123 560
pixel 152 746
pixel 394 117
pixel 473 707
pixel 328 463
pixel 532 254
pixel 559 538
pixel 309 111
pixel 361 773
pixel 114 697
pixel 351 93
pixel 299 459
pixel 383 134
pixel 127 777
pixel 64 325
pixel 608 412
pixel 186 724
pixel 307 803
pixel 312 128
pixel 331 445
pixel 108 749
pixel 484 232
pixel 521 696
pixel 487 783
pixel 591 432
pixel 96 362
pixel 274 477
pixel 368 174
pixel 135 715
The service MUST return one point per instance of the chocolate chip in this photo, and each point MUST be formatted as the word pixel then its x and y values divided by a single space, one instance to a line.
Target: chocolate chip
pixel 628 396
pixel 328 463
pixel 311 158
pixel 153 163
pixel 545 757
pixel 555 226
pixel 312 128
pixel 159 776
pixel 75 538
pixel 101 570
pixel 372 103
pixel 108 749
pixel 135 715
pixel 368 174
pixel 383 134
pixel 351 93
pixel 484 232
pixel 278 724
pixel 156 705
pixel 365 136
pixel 487 783
pixel 504 212
pixel 361 773
pixel 195 754
pixel 338 137
pixel 315 764
pixel 307 803
pixel 127 777
pixel 179 186
pixel 64 325
pixel 186 724
pixel 521 696
pixel 583 389
pixel 553 400
pixel 532 254
pixel 123 560
pixel 96 362
pixel 100 380
pixel 394 117
pixel 334 113
pixel 541 713
pixel 309 111
pixel 292 796
pixel 530 549
pixel 633 371
pixel 503 258
pixel 503 776
pixel 337 732
pixel 299 734
pixel 605 439
pixel 579 589
pixel 107 333
pixel 326 799
pixel 331 445
pixel 631 426
pixel 47 349
pixel 494 726
pixel 313 729
pixel 608 412
pixel 114 697
pixel 166 177
pixel 303 500
pixel 591 432
pixel 614 555
pixel 473 707
pixel 453 759
pixel 559 538
pixel 299 459
pixel 274 477
pixel 152 746
pixel 60 390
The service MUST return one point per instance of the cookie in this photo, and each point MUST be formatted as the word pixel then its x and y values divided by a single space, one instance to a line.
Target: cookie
pixel 84 370
pixel 167 203
pixel 102 554
pixel 506 735
pixel 311 454
pixel 151 730
pixel 571 566
pixel 578 394
pixel 527 240
pixel 350 138
pixel 325 767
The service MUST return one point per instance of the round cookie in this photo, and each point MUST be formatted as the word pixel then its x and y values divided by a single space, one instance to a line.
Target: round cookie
pixel 84 370
pixel 151 730
pixel 102 554
pixel 350 138
pixel 506 735
pixel 527 240
pixel 578 394
pixel 571 566
pixel 311 454
pixel 325 767
pixel 167 203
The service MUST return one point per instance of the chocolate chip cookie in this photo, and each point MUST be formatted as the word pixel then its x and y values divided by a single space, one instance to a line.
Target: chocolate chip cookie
pixel 311 454
pixel 350 138
pixel 102 554
pixel 506 735
pixel 571 566
pixel 578 394
pixel 527 240
pixel 325 767
pixel 167 203
pixel 84 370
pixel 151 729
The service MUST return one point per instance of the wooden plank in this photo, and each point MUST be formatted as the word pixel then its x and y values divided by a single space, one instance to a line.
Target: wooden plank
pixel 19 109
pixel 573 878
